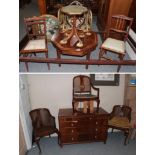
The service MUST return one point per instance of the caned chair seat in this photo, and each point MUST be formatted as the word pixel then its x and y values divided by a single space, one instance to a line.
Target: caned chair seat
pixel 120 122
pixel 36 44
pixel 114 45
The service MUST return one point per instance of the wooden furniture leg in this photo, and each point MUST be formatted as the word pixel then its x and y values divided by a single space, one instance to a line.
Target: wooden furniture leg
pixel 26 65
pixel 48 65
pixel 59 56
pixel 87 58
pixel 37 142
pixel 121 58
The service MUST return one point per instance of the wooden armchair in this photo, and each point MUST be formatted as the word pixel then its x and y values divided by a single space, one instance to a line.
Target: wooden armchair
pixel 120 118
pixel 82 86
pixel 43 125
pixel 37 43
pixel 116 37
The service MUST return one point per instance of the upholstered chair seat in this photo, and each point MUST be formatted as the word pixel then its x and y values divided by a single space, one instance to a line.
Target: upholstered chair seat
pixel 86 96
pixel 117 46
pixel 36 44
pixel 119 122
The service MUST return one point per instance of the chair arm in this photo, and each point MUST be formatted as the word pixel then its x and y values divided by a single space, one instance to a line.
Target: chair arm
pixel 97 89
pixel 53 120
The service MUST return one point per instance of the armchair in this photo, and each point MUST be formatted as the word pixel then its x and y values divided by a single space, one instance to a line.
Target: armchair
pixel 82 86
pixel 43 125
pixel 120 118
pixel 116 37
pixel 37 42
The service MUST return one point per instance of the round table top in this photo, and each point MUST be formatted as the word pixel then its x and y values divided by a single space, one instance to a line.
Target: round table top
pixel 74 10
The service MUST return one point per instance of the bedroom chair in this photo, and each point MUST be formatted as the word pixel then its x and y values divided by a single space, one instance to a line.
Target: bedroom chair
pixel 82 92
pixel 116 37
pixel 37 42
pixel 43 125
pixel 120 118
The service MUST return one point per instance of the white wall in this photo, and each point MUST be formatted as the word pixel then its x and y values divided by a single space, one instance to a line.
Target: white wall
pixel 24 109
pixel 55 91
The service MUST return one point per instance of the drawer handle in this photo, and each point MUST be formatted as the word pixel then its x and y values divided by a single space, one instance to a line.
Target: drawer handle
pixel 72 131
pixel 72 124
pixel 96 129
pixel 96 122
pixel 72 138
pixel 74 121
pixel 95 137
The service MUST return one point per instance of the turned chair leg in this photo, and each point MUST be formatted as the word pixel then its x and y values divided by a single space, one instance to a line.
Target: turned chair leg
pixel 48 65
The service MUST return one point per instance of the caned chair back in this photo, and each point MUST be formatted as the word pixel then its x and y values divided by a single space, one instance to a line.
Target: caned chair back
pixel 120 26
pixel 81 84
pixel 41 118
pixel 35 27
pixel 122 111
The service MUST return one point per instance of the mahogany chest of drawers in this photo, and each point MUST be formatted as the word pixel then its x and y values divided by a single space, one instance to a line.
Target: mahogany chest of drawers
pixel 78 128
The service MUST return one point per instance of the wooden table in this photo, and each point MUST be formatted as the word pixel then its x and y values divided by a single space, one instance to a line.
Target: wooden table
pixel 70 48
pixel 80 128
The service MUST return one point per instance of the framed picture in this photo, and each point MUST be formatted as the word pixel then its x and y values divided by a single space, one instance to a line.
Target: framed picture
pixel 105 79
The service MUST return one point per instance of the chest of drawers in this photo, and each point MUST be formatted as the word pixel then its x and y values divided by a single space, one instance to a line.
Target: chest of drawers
pixel 78 128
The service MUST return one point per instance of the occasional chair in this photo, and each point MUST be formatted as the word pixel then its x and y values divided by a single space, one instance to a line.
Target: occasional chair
pixel 120 118
pixel 43 125
pixel 37 42
pixel 116 37
pixel 82 92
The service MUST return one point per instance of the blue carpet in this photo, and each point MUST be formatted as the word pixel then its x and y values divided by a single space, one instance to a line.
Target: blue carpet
pixel 114 146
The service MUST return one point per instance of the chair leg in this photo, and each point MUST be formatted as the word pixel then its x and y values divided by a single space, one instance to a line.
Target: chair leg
pixel 112 130
pixel 59 56
pixel 48 65
pixel 98 103
pixel 101 53
pixel 37 142
pixel 121 58
pixel 59 138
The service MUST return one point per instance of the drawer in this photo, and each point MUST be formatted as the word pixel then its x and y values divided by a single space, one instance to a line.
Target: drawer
pixel 99 122
pixel 75 138
pixel 99 137
pixel 75 123
pixel 100 129
pixel 79 130
pixel 68 138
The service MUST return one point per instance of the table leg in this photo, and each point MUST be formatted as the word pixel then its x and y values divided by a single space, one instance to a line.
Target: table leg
pixel 87 58
pixel 59 56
